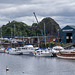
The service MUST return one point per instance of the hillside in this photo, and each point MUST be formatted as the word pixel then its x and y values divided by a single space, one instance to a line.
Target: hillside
pixel 22 29
pixel 50 25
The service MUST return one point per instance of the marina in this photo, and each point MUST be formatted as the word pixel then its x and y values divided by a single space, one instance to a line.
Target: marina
pixel 37 37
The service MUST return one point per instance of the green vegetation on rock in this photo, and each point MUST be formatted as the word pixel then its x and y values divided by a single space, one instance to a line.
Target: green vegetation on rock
pixel 22 29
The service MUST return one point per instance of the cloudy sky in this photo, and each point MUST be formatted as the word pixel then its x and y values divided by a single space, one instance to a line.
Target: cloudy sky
pixel 62 11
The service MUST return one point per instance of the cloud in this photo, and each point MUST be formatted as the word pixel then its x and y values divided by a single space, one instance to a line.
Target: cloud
pixel 22 10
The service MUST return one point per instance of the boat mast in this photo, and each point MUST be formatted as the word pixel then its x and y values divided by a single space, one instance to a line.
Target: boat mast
pixel 58 38
pixel 14 30
pixel 14 34
pixel 45 34
pixel 1 32
pixel 11 36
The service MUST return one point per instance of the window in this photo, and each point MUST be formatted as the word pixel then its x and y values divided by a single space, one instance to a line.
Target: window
pixel 67 37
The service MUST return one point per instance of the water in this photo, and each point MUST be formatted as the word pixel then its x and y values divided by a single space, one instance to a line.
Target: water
pixel 30 65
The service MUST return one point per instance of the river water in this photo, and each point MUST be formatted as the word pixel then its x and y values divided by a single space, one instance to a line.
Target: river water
pixel 31 65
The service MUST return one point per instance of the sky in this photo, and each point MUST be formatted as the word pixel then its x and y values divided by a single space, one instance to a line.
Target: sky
pixel 62 11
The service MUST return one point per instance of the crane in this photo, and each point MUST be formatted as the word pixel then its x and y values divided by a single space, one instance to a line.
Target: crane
pixel 44 31
pixel 37 23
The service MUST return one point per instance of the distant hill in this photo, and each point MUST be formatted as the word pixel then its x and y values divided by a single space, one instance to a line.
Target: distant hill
pixel 22 29
pixel 50 25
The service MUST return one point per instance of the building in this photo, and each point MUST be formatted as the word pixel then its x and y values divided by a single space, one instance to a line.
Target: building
pixel 35 40
pixel 67 34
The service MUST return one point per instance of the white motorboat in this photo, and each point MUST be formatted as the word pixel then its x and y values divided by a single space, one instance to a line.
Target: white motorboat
pixel 2 50
pixel 43 52
pixel 56 49
pixel 14 51
pixel 27 49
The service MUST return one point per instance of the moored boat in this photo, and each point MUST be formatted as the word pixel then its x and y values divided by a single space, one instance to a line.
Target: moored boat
pixel 43 53
pixel 14 51
pixel 2 50
pixel 27 49
pixel 56 49
pixel 67 54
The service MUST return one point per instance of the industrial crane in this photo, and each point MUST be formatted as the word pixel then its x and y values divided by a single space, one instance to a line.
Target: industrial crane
pixel 40 29
pixel 42 32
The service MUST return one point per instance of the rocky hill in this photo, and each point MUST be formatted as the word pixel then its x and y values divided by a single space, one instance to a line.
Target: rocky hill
pixel 50 25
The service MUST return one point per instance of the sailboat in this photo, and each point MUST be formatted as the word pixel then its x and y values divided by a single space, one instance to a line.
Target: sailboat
pixel 13 51
pixel 2 49
pixel 42 52
pixel 57 48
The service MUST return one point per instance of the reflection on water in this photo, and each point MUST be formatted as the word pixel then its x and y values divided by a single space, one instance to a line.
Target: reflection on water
pixel 30 65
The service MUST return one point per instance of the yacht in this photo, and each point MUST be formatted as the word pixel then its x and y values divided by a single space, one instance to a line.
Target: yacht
pixel 27 49
pixel 43 52
pixel 56 49
pixel 14 51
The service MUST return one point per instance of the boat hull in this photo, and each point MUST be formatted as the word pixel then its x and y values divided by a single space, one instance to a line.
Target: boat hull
pixel 27 52
pixel 44 55
pixel 66 55
pixel 15 53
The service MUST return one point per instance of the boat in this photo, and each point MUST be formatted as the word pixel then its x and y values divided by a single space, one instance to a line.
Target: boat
pixel 56 49
pixel 43 52
pixel 2 50
pixel 14 51
pixel 7 50
pixel 66 54
pixel 26 49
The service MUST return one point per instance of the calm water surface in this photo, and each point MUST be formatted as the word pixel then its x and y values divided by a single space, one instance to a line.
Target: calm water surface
pixel 30 65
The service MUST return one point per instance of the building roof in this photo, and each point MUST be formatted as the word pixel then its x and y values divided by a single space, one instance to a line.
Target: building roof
pixel 73 26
